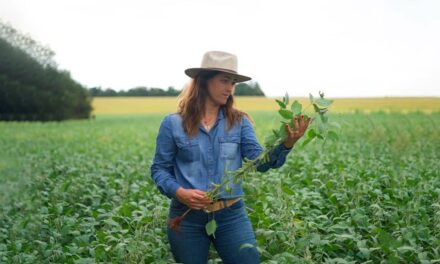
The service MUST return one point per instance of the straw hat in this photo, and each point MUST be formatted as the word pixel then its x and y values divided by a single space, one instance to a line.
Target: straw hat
pixel 218 61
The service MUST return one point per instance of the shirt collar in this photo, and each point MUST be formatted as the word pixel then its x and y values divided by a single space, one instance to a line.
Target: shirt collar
pixel 220 116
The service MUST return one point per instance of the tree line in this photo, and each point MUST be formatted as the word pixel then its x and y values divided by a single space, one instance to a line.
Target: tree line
pixel 137 91
pixel 31 86
pixel 241 89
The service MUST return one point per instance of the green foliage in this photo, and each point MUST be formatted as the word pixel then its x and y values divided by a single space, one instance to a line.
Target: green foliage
pixel 286 114
pixel 241 89
pixel 88 202
pixel 210 227
pixel 137 91
pixel 31 88
pixel 80 191
pixel 271 142
pixel 321 129
pixel 248 89
pixel 34 51
pixel 278 136
pixel 296 108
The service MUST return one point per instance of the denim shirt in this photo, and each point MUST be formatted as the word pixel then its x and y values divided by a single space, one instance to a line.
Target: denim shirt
pixel 199 161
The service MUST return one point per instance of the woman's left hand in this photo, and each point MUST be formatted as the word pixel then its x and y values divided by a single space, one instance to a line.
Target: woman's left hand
pixel 299 128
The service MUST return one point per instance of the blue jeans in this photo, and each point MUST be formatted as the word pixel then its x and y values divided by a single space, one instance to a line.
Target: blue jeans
pixel 190 244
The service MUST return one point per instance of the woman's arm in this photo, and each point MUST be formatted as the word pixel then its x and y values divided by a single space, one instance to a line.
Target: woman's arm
pixel 162 169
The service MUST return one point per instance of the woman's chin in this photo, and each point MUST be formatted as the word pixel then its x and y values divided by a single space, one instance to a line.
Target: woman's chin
pixel 222 102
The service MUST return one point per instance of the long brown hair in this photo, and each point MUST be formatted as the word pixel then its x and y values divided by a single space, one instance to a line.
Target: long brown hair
pixel 191 104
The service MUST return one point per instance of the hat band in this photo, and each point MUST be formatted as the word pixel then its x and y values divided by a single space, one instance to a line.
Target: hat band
pixel 220 69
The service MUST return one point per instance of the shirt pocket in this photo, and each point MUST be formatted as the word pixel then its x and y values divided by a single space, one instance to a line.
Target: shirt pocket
pixel 229 147
pixel 188 149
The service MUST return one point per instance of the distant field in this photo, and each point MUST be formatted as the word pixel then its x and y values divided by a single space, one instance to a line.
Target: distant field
pixel 139 105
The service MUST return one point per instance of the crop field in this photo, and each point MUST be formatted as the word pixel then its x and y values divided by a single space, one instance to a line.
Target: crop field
pixel 81 192
pixel 142 105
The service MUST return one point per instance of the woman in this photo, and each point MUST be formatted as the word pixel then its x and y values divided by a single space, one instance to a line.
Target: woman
pixel 193 149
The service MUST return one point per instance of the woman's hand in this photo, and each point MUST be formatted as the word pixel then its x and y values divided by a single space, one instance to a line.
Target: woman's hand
pixel 299 128
pixel 193 198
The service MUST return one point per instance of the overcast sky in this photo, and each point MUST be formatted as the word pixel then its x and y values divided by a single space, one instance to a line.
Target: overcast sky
pixel 344 48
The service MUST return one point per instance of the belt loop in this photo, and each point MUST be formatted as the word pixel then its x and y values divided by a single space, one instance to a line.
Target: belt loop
pixel 224 203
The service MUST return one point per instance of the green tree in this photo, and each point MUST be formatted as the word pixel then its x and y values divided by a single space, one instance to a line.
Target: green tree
pixel 31 87
pixel 248 89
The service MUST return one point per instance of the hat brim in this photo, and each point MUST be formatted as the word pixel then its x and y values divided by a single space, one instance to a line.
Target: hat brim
pixel 193 72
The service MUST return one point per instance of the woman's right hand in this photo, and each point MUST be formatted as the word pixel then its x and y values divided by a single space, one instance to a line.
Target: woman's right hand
pixel 193 198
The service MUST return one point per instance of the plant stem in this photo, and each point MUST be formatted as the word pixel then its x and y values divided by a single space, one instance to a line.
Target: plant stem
pixel 251 165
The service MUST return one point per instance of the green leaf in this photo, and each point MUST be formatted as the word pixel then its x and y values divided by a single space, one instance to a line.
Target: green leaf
pixel 334 124
pixel 282 133
pixel 315 239
pixel 287 114
pixel 307 141
pixel 112 222
pixel 228 189
pixel 387 242
pixel 332 135
pixel 246 245
pixel 296 107
pixel 210 227
pixel 323 110
pixel 311 133
pixel 270 140
pixel 286 99
pixel 66 185
pixel 404 249
pixel 84 260
pixel 281 104
pixel 323 103
pixel 363 248
pixel 287 190
pixel 316 108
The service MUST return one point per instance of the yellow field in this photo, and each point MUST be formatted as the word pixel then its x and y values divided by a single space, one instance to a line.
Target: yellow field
pixel 139 105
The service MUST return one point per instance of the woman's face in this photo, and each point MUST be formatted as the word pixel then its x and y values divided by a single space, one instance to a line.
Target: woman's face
pixel 220 87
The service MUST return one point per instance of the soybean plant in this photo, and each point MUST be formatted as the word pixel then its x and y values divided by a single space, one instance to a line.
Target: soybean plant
pixel 320 130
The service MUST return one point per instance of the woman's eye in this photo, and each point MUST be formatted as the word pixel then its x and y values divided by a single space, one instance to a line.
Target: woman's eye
pixel 227 81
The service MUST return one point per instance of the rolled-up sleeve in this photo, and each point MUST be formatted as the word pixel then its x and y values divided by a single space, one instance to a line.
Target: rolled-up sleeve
pixel 251 149
pixel 162 169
